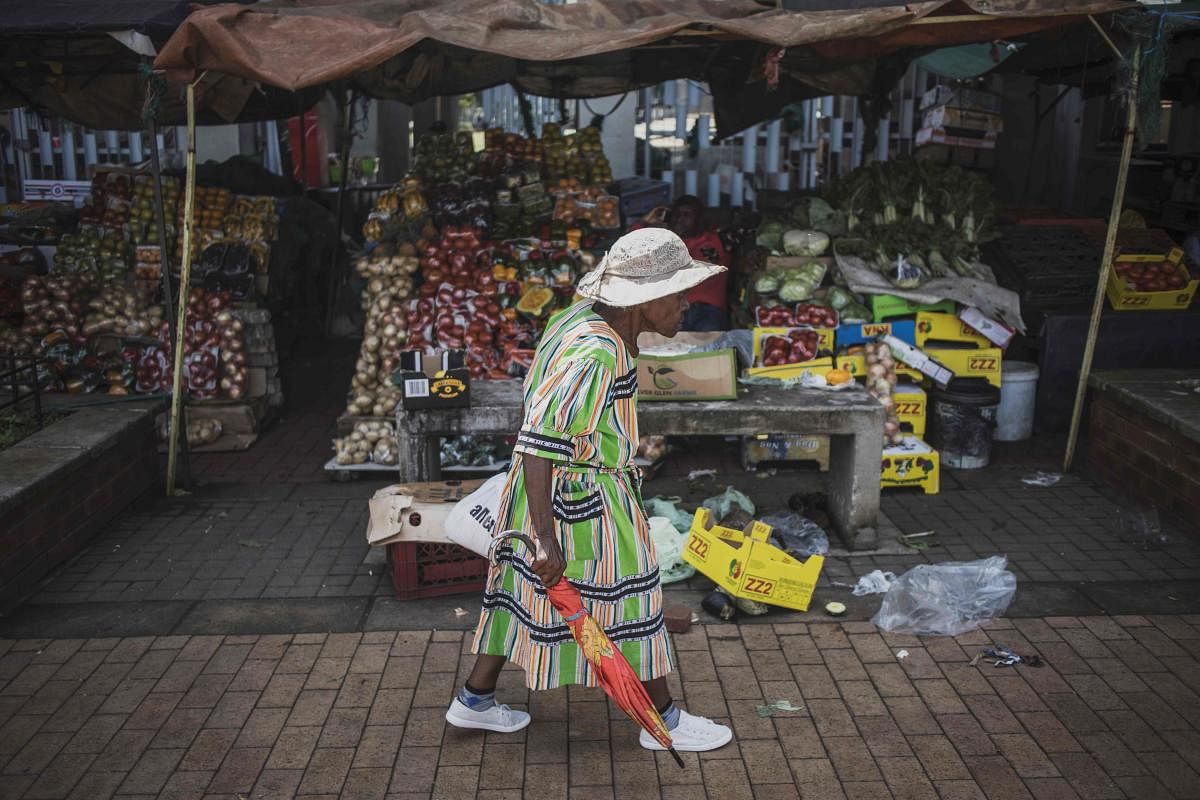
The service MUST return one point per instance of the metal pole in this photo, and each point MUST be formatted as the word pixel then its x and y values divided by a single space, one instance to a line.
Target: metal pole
pixel 1110 243
pixel 646 141
pixel 185 272
pixel 177 437
pixel 347 134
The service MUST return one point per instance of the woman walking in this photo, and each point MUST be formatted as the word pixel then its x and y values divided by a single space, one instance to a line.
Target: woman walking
pixel 574 489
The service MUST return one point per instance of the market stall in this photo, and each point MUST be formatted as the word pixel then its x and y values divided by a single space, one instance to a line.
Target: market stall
pixel 91 305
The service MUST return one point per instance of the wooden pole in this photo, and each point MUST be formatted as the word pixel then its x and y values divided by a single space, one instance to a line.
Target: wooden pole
pixel 339 206
pixel 185 274
pixel 1110 243
pixel 176 434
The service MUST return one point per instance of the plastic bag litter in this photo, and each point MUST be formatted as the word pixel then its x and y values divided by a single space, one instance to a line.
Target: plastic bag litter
pixel 666 507
pixel 947 599
pixel 722 504
pixel 876 582
pixel 1042 479
pixel 741 340
pixel 798 536
pixel 668 544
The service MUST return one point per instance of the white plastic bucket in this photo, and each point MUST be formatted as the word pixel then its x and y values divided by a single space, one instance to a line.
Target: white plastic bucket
pixel 1018 392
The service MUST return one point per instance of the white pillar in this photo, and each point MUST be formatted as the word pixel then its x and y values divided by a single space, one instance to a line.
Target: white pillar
pixel 771 159
pixel 714 189
pixel 90 157
pixel 749 148
pixel 68 152
pixel 669 90
pixel 135 147
pixel 689 182
pixel 735 189
pixel 882 139
pixel 702 130
pixel 681 115
pixel 782 180
pixel 693 94
pixel 837 134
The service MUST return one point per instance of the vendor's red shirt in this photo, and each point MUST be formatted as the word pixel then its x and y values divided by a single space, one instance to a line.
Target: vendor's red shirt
pixel 714 291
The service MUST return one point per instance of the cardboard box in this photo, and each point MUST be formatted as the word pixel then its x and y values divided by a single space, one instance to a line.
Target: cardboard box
pixel 961 97
pixel 911 463
pixel 995 332
pixel 690 376
pixel 825 341
pixel 818 366
pixel 955 137
pixel 911 406
pixel 935 327
pixel 745 565
pixel 433 381
pixel 925 363
pixel 1124 299
pixel 414 512
pixel 849 335
pixel 774 447
pixel 970 362
pixel 969 119
pixel 886 306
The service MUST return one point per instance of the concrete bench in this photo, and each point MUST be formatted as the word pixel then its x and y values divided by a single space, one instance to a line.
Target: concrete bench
pixel 852 419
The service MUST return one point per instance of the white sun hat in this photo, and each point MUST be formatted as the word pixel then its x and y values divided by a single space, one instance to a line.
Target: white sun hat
pixel 644 265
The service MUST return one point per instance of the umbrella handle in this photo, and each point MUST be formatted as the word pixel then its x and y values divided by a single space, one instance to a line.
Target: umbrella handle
pixel 505 536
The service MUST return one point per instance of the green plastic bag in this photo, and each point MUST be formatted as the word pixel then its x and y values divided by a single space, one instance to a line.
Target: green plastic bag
pixel 723 503
pixel 666 507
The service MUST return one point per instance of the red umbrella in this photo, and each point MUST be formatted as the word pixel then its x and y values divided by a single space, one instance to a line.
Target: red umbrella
pixel 613 672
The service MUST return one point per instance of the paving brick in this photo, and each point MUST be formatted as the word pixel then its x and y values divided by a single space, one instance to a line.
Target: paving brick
pixel 37 752
pixel 851 758
pixel 844 665
pixel 282 690
pixel 208 750
pixel 312 707
pixel 939 696
pixel 832 718
pixel 1051 789
pixel 239 770
pixel 890 680
pixel 58 778
pixel 765 762
pixel 861 698
pixel 366 784
pixel 959 790
pixel 800 650
pixel 993 714
pixel 968 735
pixel 415 769
pixel 882 735
pixel 97 786
pixel 1016 693
pixel 729 779
pixel 905 777
pixel 1144 788
pixel 871 648
pixel 152 771
pixel 392 707
pixel 180 728
pixel 868 790
pixel 326 772
pixel 232 710
pixel 1024 755
pixel 816 779
pixel 799 738
pixel 827 635
pixel 997 778
pixel 815 682
pixel 1086 775
pixel 277 783
pixel 503 767
pixel 541 780
pixel 939 758
pixel 912 716
pixel 262 728
pixel 1173 772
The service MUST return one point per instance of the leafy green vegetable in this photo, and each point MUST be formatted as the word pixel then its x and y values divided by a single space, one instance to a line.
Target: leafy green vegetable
pixel 794 290
pixel 770 235
pixel 766 283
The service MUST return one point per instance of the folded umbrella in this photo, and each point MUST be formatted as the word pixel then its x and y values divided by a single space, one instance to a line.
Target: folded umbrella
pixel 612 670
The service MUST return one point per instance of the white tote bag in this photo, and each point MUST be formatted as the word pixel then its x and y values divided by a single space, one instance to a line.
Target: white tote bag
pixel 472 521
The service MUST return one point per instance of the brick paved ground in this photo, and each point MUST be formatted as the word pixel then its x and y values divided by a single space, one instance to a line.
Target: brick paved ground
pixel 267 544
pixel 1112 715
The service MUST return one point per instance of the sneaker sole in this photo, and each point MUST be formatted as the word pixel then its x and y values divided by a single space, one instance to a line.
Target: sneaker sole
pixel 459 722
pixel 716 745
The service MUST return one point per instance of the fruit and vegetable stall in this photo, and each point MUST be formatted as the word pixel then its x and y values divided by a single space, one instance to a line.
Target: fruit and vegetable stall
pixel 88 302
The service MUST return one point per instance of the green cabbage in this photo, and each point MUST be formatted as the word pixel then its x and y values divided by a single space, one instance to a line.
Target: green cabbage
pixel 795 290
pixel 855 313
pixel 770 236
pixel 839 298
pixel 766 283
pixel 805 243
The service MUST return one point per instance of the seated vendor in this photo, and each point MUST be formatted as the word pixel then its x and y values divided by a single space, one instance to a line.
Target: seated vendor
pixel 708 304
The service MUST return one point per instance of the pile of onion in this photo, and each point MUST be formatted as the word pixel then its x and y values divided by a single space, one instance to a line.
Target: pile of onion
pixel 881 380
pixel 233 355
pixel 371 440
pixel 389 270
pixel 122 310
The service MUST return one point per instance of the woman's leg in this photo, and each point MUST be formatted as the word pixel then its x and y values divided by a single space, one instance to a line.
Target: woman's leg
pixel 486 672
pixel 660 695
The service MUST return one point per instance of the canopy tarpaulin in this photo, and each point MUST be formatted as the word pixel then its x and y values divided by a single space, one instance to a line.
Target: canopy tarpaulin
pixel 83 59
pixel 415 49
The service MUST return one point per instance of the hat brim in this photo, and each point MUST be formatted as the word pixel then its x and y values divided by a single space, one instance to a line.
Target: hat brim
pixel 622 292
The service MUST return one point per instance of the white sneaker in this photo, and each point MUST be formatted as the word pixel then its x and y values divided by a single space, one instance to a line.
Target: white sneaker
pixel 692 734
pixel 499 718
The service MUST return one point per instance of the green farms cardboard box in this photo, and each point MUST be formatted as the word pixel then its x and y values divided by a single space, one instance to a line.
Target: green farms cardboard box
pixel 671 369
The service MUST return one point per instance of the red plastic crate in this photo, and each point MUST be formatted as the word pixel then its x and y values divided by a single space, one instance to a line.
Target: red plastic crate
pixel 433 569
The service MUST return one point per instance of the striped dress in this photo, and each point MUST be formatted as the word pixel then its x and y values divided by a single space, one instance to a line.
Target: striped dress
pixel 580 413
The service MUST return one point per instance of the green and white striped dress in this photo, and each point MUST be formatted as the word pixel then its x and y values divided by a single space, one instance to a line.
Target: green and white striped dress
pixel 580 413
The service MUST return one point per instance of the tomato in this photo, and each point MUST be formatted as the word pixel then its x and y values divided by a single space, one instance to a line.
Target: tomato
pixel 1176 281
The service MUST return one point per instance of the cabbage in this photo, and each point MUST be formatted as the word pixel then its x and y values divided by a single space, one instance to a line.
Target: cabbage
pixel 805 243
pixel 770 235
pixel 766 283
pixel 839 298
pixel 855 313
pixel 794 290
